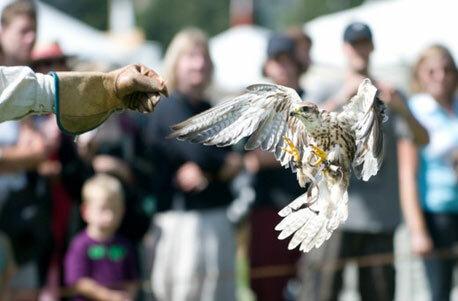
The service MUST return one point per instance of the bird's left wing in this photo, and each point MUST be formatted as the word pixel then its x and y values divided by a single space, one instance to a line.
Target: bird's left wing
pixel 366 113
pixel 262 112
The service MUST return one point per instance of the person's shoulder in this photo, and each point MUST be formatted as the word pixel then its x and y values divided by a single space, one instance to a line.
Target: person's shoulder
pixel 80 241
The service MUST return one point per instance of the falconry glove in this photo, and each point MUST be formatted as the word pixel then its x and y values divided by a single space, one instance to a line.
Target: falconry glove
pixel 86 99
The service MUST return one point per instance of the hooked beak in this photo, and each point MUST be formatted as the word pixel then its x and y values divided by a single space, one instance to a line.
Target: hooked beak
pixel 293 113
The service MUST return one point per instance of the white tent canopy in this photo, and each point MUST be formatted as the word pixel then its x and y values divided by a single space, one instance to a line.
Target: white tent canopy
pixel 401 28
pixel 238 54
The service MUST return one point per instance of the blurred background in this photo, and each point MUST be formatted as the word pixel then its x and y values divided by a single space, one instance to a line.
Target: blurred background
pixel 103 35
pixel 121 32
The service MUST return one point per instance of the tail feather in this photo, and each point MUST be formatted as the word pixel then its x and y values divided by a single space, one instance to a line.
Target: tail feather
pixel 291 224
pixel 311 225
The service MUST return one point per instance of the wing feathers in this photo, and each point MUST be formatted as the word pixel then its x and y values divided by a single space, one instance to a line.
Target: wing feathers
pixel 366 112
pixel 313 225
pixel 261 113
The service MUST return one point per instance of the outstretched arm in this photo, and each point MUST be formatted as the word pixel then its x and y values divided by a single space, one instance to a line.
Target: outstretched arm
pixel 24 92
pixel 81 100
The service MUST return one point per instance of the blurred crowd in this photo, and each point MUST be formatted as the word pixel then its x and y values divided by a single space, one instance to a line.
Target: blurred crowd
pixel 123 213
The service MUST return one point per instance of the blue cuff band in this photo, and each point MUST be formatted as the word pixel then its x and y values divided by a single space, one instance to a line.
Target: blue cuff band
pixel 57 103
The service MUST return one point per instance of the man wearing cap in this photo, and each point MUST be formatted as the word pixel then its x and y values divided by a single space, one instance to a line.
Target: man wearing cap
pixel 274 187
pixel 374 210
pixel 282 66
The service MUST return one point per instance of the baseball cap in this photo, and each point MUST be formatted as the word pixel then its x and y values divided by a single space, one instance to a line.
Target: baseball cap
pixel 279 44
pixel 357 31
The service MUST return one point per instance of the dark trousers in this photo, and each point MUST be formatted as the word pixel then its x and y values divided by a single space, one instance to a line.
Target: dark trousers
pixel 272 264
pixel 322 270
pixel 443 229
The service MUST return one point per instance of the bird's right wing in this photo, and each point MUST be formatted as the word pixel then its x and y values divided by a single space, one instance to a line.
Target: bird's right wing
pixel 262 112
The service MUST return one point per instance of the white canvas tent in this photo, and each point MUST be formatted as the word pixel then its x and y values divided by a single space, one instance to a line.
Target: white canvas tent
pixel 238 54
pixel 402 28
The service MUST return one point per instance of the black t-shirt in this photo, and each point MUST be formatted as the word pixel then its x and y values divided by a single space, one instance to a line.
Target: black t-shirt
pixel 168 155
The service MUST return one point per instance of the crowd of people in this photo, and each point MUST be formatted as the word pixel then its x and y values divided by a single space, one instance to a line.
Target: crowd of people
pixel 124 213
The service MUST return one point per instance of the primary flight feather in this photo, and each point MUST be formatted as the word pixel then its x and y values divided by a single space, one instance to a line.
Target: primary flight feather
pixel 319 146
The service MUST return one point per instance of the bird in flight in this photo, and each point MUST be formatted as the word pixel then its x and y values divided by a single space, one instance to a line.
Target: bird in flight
pixel 319 146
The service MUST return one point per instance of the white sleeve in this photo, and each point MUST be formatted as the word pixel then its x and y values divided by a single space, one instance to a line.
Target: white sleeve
pixel 24 92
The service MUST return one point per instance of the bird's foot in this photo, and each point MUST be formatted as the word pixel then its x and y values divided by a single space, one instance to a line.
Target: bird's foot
pixel 292 150
pixel 321 156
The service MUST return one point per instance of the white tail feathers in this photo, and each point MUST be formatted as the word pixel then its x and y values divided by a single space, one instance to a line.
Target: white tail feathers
pixel 313 216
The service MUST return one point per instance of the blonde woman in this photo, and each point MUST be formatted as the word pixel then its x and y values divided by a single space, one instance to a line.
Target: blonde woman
pixel 194 256
pixel 430 204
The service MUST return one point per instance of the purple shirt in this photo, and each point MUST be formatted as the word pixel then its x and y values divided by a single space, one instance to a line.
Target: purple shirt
pixel 110 263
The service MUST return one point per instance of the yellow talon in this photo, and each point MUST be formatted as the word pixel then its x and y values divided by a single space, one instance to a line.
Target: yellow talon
pixel 292 149
pixel 321 154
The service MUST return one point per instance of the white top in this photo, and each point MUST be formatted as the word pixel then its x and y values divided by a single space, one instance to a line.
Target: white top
pixel 10 181
pixel 438 180
pixel 24 92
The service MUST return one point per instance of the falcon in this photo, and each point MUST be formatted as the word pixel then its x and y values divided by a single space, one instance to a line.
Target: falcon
pixel 320 147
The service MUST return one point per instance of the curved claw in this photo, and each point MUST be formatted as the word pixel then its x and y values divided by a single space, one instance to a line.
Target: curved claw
pixel 292 150
pixel 320 154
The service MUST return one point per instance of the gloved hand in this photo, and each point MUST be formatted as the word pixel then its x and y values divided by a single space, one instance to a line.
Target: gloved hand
pixel 86 99
pixel 138 87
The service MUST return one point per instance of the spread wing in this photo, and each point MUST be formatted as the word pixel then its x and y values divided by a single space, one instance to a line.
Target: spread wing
pixel 262 113
pixel 365 112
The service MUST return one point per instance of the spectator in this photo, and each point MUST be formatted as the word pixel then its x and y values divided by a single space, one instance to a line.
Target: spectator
pixel 303 45
pixel 99 264
pixel 22 153
pixel 430 193
pixel 115 148
pixel 282 66
pixel 23 212
pixel 275 186
pixel 18 32
pixel 195 252
pixel 374 205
